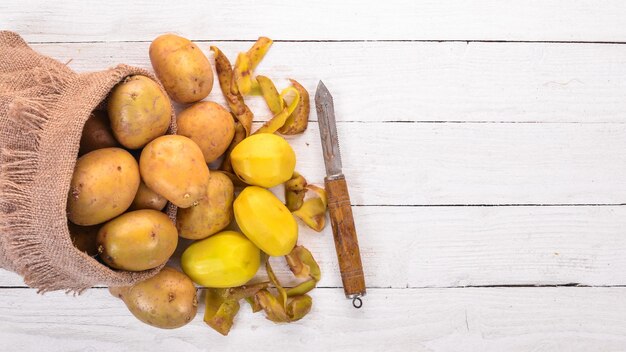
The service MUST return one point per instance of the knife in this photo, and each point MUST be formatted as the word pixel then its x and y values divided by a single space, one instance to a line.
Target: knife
pixel 339 209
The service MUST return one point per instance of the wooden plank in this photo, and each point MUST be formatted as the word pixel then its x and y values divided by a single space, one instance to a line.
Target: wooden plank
pixel 433 164
pixel 375 81
pixel 466 163
pixel 488 319
pixel 41 20
pixel 469 246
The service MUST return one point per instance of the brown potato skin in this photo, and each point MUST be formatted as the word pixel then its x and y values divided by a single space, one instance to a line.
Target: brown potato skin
pixel 139 111
pixel 181 66
pixel 212 214
pixel 84 238
pixel 299 119
pixel 138 240
pixel 208 124
pixel 103 186
pixel 167 300
pixel 147 199
pixel 174 167
pixel 97 133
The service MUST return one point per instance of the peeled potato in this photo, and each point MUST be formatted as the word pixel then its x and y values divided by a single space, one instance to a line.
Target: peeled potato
pixel 103 186
pixel 227 259
pixel 212 213
pixel 266 221
pixel 174 167
pixel 139 111
pixel 209 125
pixel 181 66
pixel 167 300
pixel 265 160
pixel 147 199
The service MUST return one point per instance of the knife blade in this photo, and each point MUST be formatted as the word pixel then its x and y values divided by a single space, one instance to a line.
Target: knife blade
pixel 339 207
pixel 328 130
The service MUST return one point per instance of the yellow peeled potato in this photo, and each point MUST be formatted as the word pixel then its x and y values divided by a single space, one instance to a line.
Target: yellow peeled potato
pixel 264 159
pixel 209 125
pixel 227 259
pixel 173 166
pixel 266 221
pixel 139 111
pixel 211 214
pixel 103 186
pixel 181 66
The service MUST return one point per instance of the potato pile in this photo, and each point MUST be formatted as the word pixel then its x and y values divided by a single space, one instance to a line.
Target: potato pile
pixel 130 168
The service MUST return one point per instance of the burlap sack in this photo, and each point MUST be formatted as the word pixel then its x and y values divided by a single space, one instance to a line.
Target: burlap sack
pixel 43 107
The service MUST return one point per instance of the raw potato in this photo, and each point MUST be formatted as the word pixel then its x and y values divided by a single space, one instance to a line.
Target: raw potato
pixel 97 133
pixel 147 199
pixel 103 186
pixel 181 66
pixel 174 167
pixel 264 159
pixel 226 259
pixel 209 125
pixel 167 300
pixel 138 240
pixel 84 238
pixel 212 213
pixel 139 111
pixel 266 221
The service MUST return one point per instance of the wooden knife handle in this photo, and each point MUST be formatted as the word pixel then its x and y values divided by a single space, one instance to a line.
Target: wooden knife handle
pixel 344 232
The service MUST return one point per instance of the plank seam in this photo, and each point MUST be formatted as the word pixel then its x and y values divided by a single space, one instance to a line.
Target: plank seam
pixel 527 122
pixel 495 205
pixel 470 122
pixel 571 285
pixel 494 41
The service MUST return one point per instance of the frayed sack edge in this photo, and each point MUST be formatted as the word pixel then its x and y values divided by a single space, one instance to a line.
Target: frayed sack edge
pixel 18 170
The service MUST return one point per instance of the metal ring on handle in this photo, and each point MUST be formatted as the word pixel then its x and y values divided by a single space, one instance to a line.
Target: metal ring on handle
pixel 355 304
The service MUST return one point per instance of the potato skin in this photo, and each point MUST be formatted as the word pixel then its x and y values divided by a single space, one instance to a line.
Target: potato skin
pixel 209 125
pixel 139 111
pixel 211 214
pixel 97 133
pixel 103 186
pixel 181 66
pixel 167 300
pixel 299 119
pixel 138 240
pixel 147 199
pixel 174 167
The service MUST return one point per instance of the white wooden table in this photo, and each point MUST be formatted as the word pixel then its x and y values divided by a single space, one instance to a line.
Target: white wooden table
pixel 484 142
